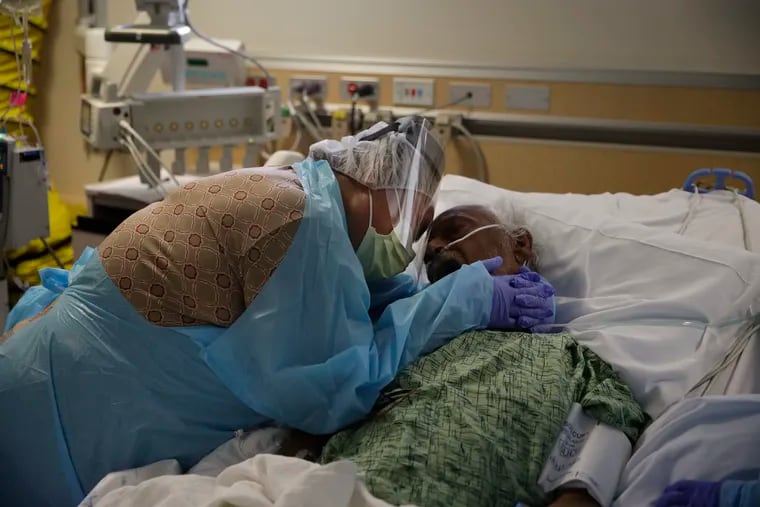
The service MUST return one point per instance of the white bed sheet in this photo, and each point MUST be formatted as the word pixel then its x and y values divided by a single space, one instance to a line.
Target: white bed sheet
pixel 263 481
pixel 628 281
pixel 712 438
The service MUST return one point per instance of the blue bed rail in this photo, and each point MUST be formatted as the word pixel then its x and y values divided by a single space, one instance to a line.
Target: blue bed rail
pixel 720 175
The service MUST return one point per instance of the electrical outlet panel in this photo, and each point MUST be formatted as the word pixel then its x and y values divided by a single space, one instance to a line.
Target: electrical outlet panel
pixel 316 86
pixel 480 94
pixel 413 92
pixel 347 82
pixel 533 98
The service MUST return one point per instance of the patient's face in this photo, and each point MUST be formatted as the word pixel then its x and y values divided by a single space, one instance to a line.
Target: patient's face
pixel 455 223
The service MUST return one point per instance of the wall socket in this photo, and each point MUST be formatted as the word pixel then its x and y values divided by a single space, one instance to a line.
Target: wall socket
pixel 532 98
pixel 345 82
pixel 481 94
pixel 297 84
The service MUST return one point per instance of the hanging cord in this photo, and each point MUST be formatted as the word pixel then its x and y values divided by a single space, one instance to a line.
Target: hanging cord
pixel 104 167
pixel 305 122
pixel 482 171
pixel 142 166
pixel 222 46
pixel 19 75
pixel 148 149
pixel 305 100
pixel 731 357
pixel 52 253
pixel 467 96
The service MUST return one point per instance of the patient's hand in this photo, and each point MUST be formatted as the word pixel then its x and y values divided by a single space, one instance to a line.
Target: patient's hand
pixel 574 498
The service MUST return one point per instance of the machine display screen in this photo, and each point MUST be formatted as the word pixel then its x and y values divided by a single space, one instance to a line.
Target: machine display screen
pixel 85 124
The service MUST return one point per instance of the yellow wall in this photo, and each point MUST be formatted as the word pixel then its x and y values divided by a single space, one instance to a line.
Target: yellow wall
pixel 520 165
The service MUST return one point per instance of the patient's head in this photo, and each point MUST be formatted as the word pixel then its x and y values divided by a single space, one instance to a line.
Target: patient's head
pixel 513 244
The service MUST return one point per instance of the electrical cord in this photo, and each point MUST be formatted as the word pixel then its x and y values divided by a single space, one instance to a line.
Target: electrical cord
pixel 352 118
pixel 467 96
pixel 222 46
pixel 307 105
pixel 297 140
pixel 19 76
pixel 482 170
pixel 745 230
pixel 142 166
pixel 311 129
pixel 104 166
pixel 52 253
pixel 136 136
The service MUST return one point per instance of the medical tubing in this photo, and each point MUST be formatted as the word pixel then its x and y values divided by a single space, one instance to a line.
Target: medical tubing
pixel 734 352
pixel 52 253
pixel 467 96
pixel 136 136
pixel 742 218
pixel 222 46
pixel 145 170
pixel 141 166
pixel 297 140
pixel 482 176
pixel 146 173
pixel 18 73
pixel 304 121
pixel 680 322
pixel 6 192
pixel 694 200
pixel 104 167
pixel 305 102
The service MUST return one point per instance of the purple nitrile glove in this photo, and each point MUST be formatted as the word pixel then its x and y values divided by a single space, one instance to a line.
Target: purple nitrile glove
pixel 520 301
pixel 690 494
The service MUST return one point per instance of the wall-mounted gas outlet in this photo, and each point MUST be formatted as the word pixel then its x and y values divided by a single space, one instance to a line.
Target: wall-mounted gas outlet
pixel 260 80
pixel 347 84
pixel 533 98
pixel 413 92
pixel 470 94
pixel 314 86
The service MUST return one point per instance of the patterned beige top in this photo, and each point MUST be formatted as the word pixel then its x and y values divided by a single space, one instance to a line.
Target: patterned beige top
pixel 203 254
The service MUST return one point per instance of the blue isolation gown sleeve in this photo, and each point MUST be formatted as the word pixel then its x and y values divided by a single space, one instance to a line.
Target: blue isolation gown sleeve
pixel 306 353
pixel 740 494
pixel 384 292
pixel 53 282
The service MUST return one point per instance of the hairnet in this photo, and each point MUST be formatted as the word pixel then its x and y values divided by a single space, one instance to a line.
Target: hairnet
pixel 403 155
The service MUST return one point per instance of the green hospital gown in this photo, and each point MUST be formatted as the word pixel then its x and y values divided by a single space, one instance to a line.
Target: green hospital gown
pixel 473 422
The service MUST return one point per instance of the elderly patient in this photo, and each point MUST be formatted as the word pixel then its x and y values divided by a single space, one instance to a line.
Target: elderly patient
pixel 473 422
pixel 466 234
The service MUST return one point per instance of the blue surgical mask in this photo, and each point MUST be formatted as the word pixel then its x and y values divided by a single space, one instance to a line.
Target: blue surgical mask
pixel 382 256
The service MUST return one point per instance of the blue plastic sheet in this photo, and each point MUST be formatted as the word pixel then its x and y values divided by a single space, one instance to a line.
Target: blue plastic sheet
pixel 53 282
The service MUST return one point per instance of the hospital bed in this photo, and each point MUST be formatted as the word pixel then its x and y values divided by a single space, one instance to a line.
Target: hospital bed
pixel 666 289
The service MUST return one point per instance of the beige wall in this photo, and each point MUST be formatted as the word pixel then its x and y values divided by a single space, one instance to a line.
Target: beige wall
pixel 555 167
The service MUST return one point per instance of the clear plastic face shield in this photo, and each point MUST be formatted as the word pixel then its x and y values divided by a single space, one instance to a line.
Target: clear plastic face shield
pixel 409 173
pixel 401 164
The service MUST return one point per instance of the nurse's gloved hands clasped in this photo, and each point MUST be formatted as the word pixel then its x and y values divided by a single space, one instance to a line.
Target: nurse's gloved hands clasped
pixel 520 302
pixel 690 494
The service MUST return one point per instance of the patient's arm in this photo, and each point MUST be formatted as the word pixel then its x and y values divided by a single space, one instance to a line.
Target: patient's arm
pixel 574 498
